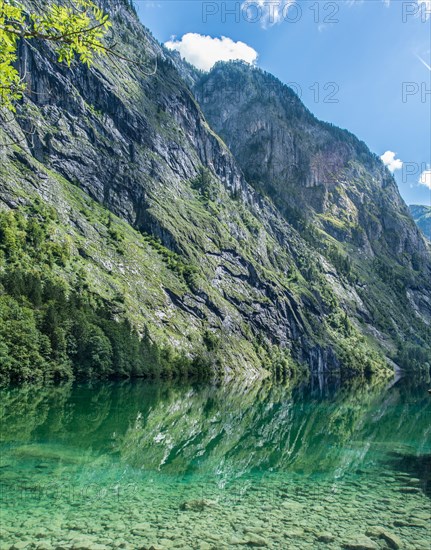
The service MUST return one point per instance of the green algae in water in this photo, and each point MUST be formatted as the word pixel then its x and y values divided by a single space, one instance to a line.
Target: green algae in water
pixel 141 465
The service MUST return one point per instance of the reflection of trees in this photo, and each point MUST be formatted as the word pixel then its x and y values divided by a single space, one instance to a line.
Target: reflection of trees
pixel 84 415
pixel 227 431
pixel 26 409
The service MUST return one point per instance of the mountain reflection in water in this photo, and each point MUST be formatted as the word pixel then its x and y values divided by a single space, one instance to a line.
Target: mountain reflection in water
pixel 320 447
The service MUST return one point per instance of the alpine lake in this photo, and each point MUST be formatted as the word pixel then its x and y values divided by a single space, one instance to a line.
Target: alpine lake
pixel 141 465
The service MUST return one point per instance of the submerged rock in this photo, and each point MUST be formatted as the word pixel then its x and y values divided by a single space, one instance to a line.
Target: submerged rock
pixel 235 541
pixel 361 542
pixel 197 505
pixel 325 536
pixel 294 533
pixel 412 523
pixel 256 540
pixel 393 541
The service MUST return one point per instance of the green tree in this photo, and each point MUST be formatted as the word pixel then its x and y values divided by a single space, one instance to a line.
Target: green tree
pixel 55 328
pixel 75 29
pixel 23 349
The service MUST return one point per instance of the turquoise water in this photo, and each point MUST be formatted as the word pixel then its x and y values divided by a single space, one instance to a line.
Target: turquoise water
pixel 146 465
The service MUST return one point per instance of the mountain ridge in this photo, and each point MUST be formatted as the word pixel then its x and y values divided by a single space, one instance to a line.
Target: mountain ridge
pixel 128 161
pixel 271 166
pixel 422 216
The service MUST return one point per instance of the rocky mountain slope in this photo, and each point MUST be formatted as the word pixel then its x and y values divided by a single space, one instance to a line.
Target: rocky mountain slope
pixel 162 225
pixel 327 184
pixel 422 216
pixel 311 169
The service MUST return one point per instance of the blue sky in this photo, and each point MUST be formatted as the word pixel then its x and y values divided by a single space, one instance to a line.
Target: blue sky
pixel 370 57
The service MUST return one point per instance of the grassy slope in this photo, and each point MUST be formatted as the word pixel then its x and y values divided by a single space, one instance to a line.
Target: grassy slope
pixel 129 270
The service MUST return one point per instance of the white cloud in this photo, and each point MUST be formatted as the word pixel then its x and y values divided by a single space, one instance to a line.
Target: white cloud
pixel 391 162
pixel 203 51
pixel 425 178
pixel 270 12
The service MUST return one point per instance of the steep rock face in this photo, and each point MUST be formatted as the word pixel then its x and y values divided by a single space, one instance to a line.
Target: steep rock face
pixel 325 182
pixel 310 169
pixel 219 255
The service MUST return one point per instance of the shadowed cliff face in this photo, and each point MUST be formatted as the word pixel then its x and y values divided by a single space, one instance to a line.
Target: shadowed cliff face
pixel 216 253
